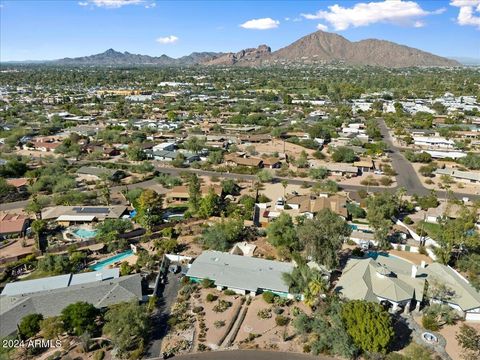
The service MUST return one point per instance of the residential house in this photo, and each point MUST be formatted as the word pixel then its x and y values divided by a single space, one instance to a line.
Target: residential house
pixel 69 215
pixel 236 160
pixel 21 184
pixel 49 296
pixel 182 194
pixel 260 138
pixel 462 296
pixel 380 282
pixel 272 163
pixel 338 169
pixel 393 281
pixel 365 165
pixel 242 274
pixel 97 173
pixel 468 177
pixel 13 225
pixel 310 205
pixel 166 146
pixel 435 142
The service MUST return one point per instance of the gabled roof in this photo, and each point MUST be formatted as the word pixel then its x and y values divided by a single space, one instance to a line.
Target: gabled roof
pixel 12 223
pixel 52 302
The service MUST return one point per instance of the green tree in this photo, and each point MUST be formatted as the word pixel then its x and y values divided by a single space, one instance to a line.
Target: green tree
pixel 343 154
pixel 135 153
pixel 30 326
pixel 79 318
pixel 195 196
pixel 369 325
pixel 209 205
pixel 52 327
pixel 222 235
pixel 149 208
pixel 323 236
pixel 194 144
pixel 127 326
pixel 282 233
pixel 264 176
pixel 318 173
pixel 469 340
pixel 38 228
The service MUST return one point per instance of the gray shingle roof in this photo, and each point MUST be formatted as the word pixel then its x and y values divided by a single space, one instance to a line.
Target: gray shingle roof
pixel 52 302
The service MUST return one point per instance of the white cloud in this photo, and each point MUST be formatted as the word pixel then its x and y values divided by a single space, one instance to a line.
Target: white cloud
pixel 167 39
pixel 151 5
pixel 260 24
pixel 111 4
pixel 362 14
pixel 322 27
pixel 466 15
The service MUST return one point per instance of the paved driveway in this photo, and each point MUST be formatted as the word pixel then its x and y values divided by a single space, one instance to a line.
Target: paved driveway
pixel 159 327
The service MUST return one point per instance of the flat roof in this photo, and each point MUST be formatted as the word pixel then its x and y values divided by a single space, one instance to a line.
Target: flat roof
pixel 58 282
pixel 240 272
pixel 76 218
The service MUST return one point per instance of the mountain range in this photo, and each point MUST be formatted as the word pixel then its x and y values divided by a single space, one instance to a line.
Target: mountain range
pixel 317 48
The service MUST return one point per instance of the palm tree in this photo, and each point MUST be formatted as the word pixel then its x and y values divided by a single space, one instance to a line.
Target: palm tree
pixel 38 227
pixel 284 184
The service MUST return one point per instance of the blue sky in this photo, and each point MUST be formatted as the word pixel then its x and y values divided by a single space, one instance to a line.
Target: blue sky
pixel 54 29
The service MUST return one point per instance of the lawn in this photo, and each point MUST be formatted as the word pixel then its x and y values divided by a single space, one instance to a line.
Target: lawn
pixel 433 230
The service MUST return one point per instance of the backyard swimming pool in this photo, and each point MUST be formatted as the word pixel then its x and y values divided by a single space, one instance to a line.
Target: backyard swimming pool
pixel 111 260
pixel 85 233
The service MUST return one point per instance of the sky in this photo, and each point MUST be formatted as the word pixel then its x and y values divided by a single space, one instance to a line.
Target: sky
pixel 44 30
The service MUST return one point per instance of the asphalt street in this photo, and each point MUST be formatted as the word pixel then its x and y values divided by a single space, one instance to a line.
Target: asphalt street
pixel 251 355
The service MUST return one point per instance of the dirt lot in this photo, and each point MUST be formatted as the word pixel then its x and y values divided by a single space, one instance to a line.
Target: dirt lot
pixel 276 145
pixel 216 334
pixel 449 332
pixel 269 335
pixel 16 248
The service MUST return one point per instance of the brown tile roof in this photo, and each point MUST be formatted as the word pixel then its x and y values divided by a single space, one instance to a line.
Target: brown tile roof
pixel 12 223
pixel 335 203
pixel 182 191
pixel 18 182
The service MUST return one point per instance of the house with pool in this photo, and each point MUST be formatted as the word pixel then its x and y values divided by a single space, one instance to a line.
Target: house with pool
pixel 242 274
pixel 402 285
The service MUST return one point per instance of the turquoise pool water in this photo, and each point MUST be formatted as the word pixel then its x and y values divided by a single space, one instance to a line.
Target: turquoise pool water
pixel 85 234
pixel 111 260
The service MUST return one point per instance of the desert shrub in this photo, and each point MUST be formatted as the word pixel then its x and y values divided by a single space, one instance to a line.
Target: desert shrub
pixel 197 309
pixel 386 181
pixel 357 252
pixel 219 323
pixel 282 301
pixel 211 297
pixel 429 322
pixel 99 355
pixel 229 292
pixel 269 297
pixel 264 313
pixel 222 306
pixel 207 283
pixel 278 310
pixel 307 348
pixel 281 320
pixel 203 347
pixel 407 220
